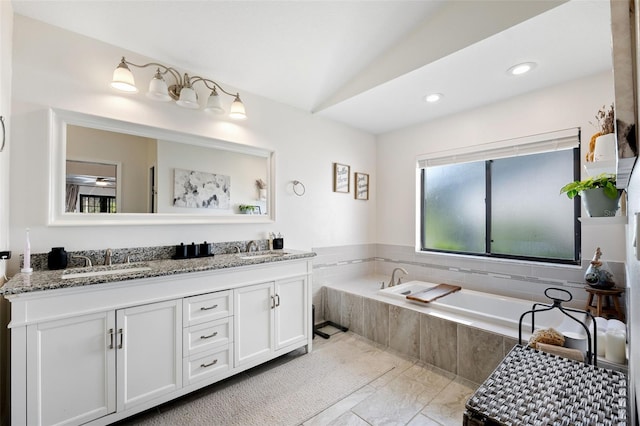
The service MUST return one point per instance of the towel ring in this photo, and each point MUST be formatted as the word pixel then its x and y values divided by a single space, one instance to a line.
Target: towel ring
pixel 295 188
pixel 4 134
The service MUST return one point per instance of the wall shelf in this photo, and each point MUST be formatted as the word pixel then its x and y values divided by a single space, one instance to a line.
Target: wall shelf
pixel 612 220
pixel 597 167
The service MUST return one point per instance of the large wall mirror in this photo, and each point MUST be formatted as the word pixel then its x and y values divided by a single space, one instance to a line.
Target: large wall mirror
pixel 110 172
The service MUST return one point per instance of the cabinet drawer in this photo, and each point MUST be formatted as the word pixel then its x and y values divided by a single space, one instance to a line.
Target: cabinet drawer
pixel 207 307
pixel 207 365
pixel 207 336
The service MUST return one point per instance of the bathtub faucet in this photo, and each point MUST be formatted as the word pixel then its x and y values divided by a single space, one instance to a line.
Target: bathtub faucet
pixel 393 281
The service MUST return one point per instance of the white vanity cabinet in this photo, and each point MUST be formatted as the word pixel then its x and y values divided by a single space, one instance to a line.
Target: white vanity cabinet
pixel 70 370
pixel 149 352
pixel 270 317
pixel 86 367
pixel 96 354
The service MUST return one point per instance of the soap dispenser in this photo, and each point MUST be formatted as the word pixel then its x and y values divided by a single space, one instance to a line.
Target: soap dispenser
pixel 57 258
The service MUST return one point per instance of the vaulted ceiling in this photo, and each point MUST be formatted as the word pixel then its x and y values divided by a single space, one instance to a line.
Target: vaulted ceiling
pixel 368 64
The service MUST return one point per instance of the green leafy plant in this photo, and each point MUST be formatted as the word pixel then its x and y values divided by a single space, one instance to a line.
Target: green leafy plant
pixel 606 181
pixel 244 208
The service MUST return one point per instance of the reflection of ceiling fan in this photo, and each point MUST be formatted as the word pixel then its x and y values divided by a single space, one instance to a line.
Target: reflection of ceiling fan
pixel 87 180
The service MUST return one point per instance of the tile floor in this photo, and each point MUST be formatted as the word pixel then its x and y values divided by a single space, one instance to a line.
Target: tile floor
pixel 413 393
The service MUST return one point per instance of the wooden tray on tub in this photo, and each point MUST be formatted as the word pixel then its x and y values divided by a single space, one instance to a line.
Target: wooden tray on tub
pixel 434 293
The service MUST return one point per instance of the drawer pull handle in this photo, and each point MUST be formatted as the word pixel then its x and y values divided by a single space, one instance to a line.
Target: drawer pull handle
pixel 214 362
pixel 207 308
pixel 111 338
pixel 214 334
pixel 121 339
pixel 277 300
pixel 273 302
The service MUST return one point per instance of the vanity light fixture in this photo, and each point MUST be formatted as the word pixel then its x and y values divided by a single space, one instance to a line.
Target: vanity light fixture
pixel 433 98
pixel 522 68
pixel 181 91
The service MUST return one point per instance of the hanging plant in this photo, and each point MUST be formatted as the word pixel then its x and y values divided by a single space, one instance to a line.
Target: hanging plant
pixel 606 181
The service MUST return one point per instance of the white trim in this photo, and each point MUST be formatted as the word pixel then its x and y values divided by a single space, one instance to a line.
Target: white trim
pixel 533 144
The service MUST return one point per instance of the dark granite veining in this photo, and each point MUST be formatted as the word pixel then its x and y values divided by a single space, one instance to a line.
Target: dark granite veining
pixel 50 280
pixel 136 254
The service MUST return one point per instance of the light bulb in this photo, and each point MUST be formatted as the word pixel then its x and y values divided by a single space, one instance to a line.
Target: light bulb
pixel 237 111
pixel 188 98
pixel 158 90
pixel 214 104
pixel 123 78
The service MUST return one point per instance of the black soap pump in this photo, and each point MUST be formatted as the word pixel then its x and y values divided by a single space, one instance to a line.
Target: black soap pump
pixel 57 258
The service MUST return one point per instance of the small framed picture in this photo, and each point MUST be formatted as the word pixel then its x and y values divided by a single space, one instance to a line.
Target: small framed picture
pixel 362 186
pixel 341 178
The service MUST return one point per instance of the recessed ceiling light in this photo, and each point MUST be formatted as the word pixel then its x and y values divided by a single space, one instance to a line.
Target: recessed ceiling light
pixel 522 68
pixel 434 97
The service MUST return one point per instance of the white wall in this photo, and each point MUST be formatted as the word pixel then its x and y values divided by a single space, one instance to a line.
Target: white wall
pixel 565 106
pixel 6 30
pixel 56 68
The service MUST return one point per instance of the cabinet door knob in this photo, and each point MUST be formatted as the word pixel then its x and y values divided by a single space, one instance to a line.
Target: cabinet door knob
pixel 111 337
pixel 214 334
pixel 121 338
pixel 214 362
pixel 206 308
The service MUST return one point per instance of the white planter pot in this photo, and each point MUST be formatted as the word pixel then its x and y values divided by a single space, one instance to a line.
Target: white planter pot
pixel 597 204
pixel 605 149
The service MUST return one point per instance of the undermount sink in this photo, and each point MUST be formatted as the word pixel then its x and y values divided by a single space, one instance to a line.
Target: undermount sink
pixel 261 255
pixel 401 291
pixel 108 270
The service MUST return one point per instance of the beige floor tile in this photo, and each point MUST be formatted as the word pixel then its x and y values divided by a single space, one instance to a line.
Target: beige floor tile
pixel 422 420
pixel 340 407
pixel 448 407
pixel 348 419
pixel 396 403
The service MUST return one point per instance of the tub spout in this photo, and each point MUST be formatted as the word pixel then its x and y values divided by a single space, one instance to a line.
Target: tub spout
pixel 393 281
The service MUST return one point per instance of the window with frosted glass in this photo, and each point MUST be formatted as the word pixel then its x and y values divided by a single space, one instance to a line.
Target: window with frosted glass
pixel 454 213
pixel 528 215
pixel 509 208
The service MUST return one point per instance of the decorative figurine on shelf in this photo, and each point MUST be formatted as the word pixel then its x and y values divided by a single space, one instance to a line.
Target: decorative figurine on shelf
pixel 598 274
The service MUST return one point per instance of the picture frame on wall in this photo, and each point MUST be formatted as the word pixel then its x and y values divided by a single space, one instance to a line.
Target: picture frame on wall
pixel 341 178
pixel 362 186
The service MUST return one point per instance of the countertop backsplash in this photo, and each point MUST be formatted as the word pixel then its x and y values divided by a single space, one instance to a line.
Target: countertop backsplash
pixel 39 261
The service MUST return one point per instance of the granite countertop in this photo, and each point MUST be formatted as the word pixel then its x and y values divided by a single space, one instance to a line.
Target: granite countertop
pixel 50 280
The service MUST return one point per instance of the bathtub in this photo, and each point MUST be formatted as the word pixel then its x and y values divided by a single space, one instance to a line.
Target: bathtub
pixel 490 312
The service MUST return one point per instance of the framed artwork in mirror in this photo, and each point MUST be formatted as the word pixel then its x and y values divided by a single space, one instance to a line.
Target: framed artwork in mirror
pixel 341 178
pixel 362 186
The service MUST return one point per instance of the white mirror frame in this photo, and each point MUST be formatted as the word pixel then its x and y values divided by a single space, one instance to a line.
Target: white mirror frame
pixel 58 120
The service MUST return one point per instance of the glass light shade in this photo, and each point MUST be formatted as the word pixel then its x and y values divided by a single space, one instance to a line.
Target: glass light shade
pixel 123 79
pixel 158 90
pixel 237 109
pixel 188 98
pixel 214 104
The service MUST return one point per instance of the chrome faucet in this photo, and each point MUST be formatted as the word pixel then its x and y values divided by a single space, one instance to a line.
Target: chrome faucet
pixel 107 257
pixel 252 244
pixel 87 261
pixel 393 282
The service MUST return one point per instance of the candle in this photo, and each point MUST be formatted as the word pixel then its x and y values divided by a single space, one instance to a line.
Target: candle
pixel 616 346
pixel 602 342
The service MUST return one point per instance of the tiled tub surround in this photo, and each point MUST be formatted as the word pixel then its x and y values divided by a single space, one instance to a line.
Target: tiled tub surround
pixel 468 346
pixel 523 280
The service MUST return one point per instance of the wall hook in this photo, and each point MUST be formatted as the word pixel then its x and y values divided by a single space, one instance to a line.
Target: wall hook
pixel 4 135
pixel 299 191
